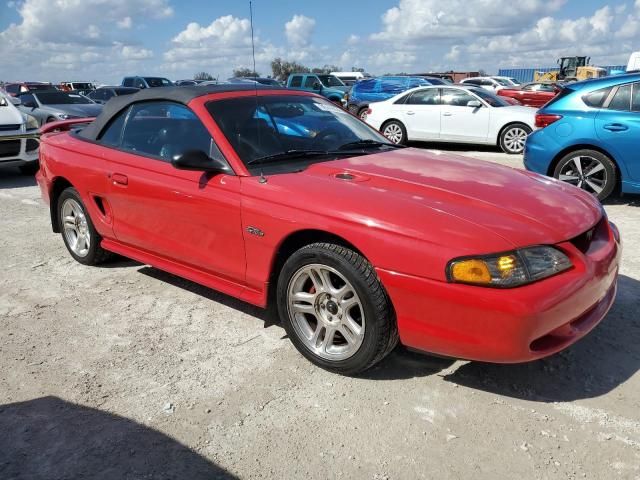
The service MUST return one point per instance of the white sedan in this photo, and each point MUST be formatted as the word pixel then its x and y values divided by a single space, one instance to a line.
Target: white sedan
pixel 455 114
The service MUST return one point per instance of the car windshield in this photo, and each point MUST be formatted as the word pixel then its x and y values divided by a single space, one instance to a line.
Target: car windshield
pixel 490 98
pixel 286 133
pixel 61 98
pixel 158 82
pixel 330 81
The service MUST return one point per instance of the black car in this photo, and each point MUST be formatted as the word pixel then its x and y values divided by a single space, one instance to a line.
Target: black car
pixel 103 94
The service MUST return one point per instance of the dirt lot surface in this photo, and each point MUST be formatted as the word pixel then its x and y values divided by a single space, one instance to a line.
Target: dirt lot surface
pixel 126 372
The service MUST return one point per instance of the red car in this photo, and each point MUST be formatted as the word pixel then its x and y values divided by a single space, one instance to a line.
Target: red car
pixel 281 198
pixel 534 94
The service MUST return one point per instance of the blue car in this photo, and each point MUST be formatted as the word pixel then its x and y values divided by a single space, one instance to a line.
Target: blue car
pixel 381 88
pixel 589 136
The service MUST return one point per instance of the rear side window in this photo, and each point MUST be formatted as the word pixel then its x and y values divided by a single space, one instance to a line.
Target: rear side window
pixel 112 133
pixel 597 98
pixel 425 97
pixel 296 81
pixel 563 93
pixel 128 82
pixel 621 101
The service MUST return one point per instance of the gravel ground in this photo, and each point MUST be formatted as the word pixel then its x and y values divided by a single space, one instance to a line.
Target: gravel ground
pixel 124 371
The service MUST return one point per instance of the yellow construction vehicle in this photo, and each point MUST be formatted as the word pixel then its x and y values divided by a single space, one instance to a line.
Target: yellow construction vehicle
pixel 571 70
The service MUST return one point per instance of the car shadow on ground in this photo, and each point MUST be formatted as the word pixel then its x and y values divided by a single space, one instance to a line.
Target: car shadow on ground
pixel 604 359
pixel 48 438
pixel 625 199
pixel 13 178
pixel 455 147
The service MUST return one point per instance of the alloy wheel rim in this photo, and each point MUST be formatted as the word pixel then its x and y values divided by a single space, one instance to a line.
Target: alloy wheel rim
pixel 76 228
pixel 393 132
pixel 585 172
pixel 515 138
pixel 326 312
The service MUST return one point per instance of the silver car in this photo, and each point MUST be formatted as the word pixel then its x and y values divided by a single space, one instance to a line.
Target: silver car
pixel 18 139
pixel 52 105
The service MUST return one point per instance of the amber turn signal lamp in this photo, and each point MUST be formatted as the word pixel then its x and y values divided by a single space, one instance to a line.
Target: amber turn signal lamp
pixel 471 271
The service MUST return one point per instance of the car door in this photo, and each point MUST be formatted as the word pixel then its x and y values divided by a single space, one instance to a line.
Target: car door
pixel 420 114
pixel 185 216
pixel 618 127
pixel 460 122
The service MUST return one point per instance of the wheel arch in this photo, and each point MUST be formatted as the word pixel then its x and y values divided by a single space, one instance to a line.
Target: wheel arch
pixel 584 146
pixel 58 185
pixel 293 242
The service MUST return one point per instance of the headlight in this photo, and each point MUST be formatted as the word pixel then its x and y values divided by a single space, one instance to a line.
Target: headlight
pixel 63 116
pixel 510 269
pixel 31 123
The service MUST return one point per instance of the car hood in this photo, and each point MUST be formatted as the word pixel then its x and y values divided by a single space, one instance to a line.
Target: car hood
pixel 86 110
pixel 410 191
pixel 341 88
pixel 10 115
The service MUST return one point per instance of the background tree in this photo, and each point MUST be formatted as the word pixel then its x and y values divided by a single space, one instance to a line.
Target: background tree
pixel 245 72
pixel 281 69
pixel 203 76
pixel 325 69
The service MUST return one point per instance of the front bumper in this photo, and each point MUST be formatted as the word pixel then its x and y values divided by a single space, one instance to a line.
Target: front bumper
pixel 16 150
pixel 509 325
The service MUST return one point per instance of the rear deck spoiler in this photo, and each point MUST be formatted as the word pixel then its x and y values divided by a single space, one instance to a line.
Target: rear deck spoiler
pixel 52 127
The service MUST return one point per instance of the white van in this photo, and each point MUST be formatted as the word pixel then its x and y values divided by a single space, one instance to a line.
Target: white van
pixel 349 78
pixel 634 62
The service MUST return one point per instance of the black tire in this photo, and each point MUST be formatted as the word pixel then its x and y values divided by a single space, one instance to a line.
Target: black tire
pixel 381 332
pixel 95 253
pixel 510 138
pixel 605 178
pixel 395 132
pixel 362 113
pixel 29 168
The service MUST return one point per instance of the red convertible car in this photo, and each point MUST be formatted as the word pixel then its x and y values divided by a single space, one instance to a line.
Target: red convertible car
pixel 281 198
pixel 534 94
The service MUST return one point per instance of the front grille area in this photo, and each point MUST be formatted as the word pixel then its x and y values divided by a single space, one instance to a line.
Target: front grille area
pixel 583 242
pixel 10 127
pixel 32 145
pixel 9 148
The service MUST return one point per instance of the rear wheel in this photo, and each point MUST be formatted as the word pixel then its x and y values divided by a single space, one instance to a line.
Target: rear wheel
pixel 589 170
pixel 513 138
pixel 395 132
pixel 334 308
pixel 362 113
pixel 79 235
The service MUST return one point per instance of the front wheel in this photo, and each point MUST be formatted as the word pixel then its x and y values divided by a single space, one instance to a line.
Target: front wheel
pixel 589 170
pixel 79 235
pixel 513 138
pixel 334 308
pixel 395 132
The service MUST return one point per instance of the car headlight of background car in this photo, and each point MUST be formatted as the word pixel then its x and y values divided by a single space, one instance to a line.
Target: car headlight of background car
pixel 31 122
pixel 510 269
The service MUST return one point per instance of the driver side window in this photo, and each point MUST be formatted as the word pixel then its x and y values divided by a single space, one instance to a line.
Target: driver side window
pixel 456 98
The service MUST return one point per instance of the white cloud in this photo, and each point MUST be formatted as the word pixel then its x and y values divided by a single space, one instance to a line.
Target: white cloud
pixel 299 30
pixel 126 23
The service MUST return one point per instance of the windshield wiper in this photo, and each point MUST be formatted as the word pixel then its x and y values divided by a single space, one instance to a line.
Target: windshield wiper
pixel 368 144
pixel 287 155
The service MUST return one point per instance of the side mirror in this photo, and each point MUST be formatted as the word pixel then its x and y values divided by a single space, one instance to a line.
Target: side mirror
pixel 15 100
pixel 317 86
pixel 199 161
pixel 474 104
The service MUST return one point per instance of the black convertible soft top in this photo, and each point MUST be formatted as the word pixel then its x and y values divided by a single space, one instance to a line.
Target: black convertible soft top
pixel 171 94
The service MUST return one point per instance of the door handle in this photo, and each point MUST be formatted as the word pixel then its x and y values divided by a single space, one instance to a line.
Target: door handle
pixel 447 114
pixel 411 113
pixel 119 179
pixel 615 127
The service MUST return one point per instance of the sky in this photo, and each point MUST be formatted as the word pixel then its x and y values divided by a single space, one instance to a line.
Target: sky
pixel 104 40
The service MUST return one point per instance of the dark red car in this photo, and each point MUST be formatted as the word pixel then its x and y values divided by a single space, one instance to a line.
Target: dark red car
pixel 281 198
pixel 534 94
pixel 15 89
